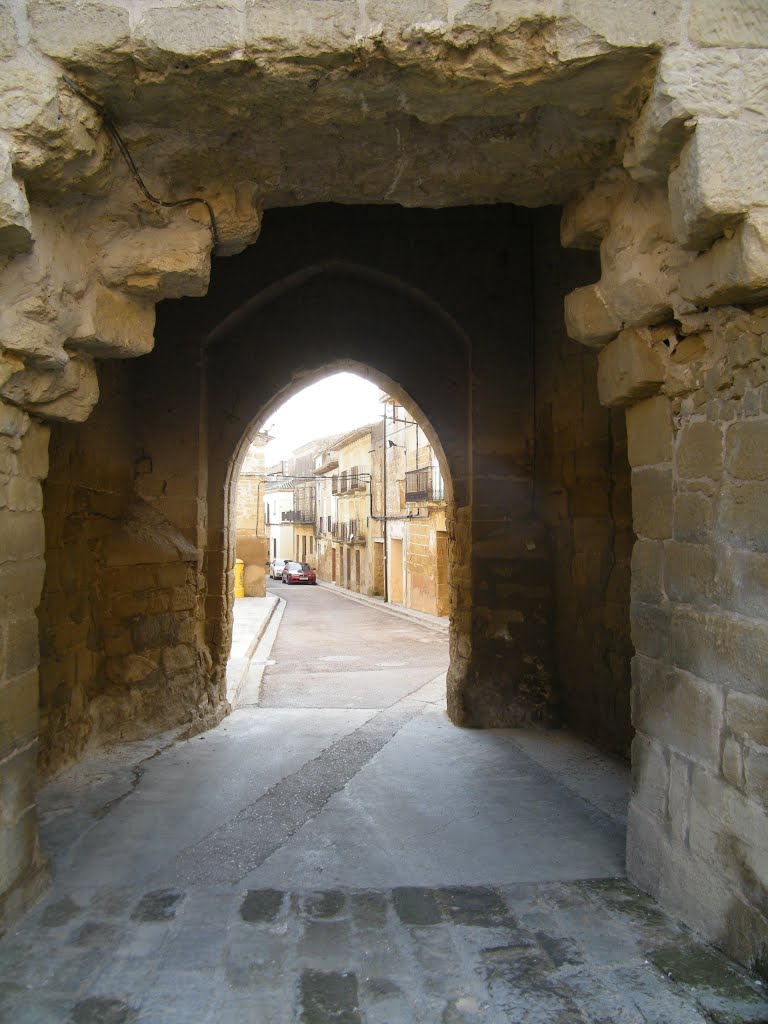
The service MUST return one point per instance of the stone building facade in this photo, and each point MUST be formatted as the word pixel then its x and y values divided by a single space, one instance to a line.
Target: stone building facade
pixel 410 513
pixel 250 526
pixel 344 550
pixel 561 207
pixel 278 504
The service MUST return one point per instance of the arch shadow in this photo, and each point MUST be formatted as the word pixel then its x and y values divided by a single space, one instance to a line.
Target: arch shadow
pixel 323 319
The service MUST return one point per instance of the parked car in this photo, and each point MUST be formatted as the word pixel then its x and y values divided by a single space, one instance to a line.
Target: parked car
pixel 276 568
pixel 299 572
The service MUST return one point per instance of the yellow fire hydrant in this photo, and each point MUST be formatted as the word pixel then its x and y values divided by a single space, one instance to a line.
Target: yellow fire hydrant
pixel 239 578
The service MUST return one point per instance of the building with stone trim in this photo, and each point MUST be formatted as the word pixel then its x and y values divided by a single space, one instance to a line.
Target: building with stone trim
pixel 543 229
pixel 409 507
pixel 251 538
pixel 344 552
pixel 278 504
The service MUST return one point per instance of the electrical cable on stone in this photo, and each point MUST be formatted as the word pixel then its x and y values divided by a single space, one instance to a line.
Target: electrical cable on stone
pixel 117 138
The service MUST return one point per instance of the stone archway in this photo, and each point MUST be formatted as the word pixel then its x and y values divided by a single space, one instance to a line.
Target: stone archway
pixel 654 124
pixel 330 317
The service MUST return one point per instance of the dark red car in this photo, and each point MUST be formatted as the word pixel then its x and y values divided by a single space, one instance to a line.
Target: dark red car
pixel 298 572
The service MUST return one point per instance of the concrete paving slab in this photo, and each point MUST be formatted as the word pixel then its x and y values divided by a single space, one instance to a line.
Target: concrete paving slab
pixel 444 806
pixel 369 865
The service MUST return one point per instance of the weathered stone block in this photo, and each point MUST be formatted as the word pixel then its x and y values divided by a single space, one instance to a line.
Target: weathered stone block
pixel 160 263
pixel 32 458
pixel 78 30
pixel 745 582
pixel 9 37
pixel 647 570
pixel 13 422
pixel 694 512
pixel 678 807
pixel 193 30
pixel 743 349
pixel 306 28
pixel 747 716
pixel 630 367
pixel 728 830
pixel 737 23
pixel 649 432
pixel 178 659
pixel 677 709
pixel 114 325
pixel 690 573
pixel 735 269
pixel 18 713
pixel 650 775
pixel 15 220
pixel 155 631
pixel 17 849
pixel 717 181
pixel 588 318
pixel 700 451
pixel 652 502
pixel 18 784
pixel 746 450
pixel 585 220
pixel 22 535
pixel 20 584
pixel 756 775
pixel 647 848
pixel 744 515
pixel 649 626
pixel 21 650
pixel 729 650
pixel 131 670
pixel 67 393
pixel 24 494
pixel 733 762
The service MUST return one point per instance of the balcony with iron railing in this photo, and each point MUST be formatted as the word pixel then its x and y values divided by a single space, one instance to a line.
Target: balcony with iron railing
pixel 354 479
pixel 424 485
pixel 299 516
pixel 352 532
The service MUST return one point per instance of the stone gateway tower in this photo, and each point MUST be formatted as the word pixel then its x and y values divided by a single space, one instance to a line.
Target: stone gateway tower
pixel 540 226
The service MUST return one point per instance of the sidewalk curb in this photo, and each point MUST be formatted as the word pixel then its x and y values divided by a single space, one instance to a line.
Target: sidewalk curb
pixel 251 650
pixel 404 613
pixel 249 692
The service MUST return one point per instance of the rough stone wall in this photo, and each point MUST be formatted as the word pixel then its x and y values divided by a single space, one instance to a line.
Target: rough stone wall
pixel 23 464
pixel 426 565
pixel 511 610
pixel 251 541
pixel 355 103
pixel 700 626
pixel 682 240
pixel 583 492
pixel 87 492
pixel 119 658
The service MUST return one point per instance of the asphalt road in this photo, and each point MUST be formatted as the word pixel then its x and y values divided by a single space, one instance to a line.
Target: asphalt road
pixel 335 653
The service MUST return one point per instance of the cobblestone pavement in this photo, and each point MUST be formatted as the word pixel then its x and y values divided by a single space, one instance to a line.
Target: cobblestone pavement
pixel 340 854
pixel 565 953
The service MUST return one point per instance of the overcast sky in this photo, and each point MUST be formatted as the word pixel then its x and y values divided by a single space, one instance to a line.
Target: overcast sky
pixel 338 403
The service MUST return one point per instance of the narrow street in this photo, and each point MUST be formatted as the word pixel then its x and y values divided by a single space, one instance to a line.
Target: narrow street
pixel 336 851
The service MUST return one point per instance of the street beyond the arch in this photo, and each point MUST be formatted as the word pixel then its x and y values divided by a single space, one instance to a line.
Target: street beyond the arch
pixel 336 851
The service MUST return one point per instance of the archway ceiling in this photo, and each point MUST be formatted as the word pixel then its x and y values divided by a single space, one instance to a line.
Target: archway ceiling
pixel 432 115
